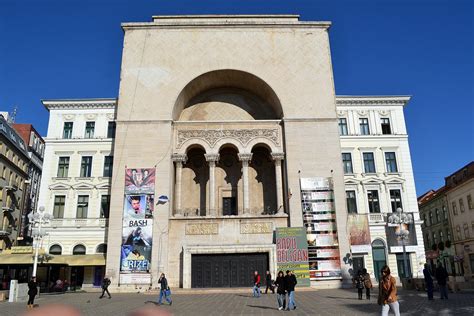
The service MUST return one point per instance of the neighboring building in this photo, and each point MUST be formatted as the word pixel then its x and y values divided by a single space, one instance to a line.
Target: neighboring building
pixel 75 188
pixel 459 196
pixel 35 148
pixel 378 179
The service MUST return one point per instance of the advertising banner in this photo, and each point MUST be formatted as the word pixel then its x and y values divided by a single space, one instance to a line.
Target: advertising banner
pixel 292 252
pixel 137 223
pixel 359 233
pixel 393 230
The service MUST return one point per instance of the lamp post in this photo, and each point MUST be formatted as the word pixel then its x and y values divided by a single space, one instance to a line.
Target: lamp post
pixel 37 219
pixel 403 220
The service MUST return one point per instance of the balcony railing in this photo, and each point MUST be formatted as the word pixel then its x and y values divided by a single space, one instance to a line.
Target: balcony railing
pixel 79 222
pixel 376 218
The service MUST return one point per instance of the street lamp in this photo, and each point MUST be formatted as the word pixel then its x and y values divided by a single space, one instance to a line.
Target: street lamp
pixel 37 219
pixel 403 220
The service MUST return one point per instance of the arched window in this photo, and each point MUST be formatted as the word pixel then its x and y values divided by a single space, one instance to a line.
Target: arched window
pixel 102 248
pixel 55 250
pixel 79 250
pixel 379 256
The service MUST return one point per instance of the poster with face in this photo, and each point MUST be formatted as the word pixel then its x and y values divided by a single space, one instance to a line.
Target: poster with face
pixel 136 244
pixel 138 206
pixel 139 181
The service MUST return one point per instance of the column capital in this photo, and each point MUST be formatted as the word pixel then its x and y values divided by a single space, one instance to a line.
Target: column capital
pixel 211 157
pixel 278 156
pixel 245 156
pixel 179 158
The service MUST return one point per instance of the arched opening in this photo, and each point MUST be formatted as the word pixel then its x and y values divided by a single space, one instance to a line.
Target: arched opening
pixel 102 248
pixel 228 181
pixel 79 250
pixel 227 94
pixel 55 250
pixel 195 176
pixel 379 255
pixel 262 181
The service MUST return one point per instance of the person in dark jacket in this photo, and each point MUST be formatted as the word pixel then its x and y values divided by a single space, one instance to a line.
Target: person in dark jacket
pixel 281 290
pixel 359 283
pixel 165 290
pixel 290 281
pixel 367 283
pixel 442 277
pixel 256 284
pixel 32 292
pixel 268 280
pixel 428 281
pixel 105 287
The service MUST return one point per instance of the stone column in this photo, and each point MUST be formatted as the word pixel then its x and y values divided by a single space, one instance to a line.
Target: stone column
pixel 245 159
pixel 278 157
pixel 179 159
pixel 212 159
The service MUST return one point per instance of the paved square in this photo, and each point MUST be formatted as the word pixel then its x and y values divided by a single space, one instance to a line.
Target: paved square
pixel 321 302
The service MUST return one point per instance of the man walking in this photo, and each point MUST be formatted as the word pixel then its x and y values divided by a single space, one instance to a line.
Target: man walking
pixel 428 281
pixel 442 277
pixel 291 282
pixel 164 290
pixel 256 284
pixel 105 287
pixel 268 280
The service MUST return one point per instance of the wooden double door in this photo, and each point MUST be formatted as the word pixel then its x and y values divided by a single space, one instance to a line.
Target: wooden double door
pixel 227 270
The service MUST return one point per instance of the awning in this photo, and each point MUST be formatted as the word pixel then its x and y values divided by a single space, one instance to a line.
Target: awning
pixel 16 258
pixel 71 260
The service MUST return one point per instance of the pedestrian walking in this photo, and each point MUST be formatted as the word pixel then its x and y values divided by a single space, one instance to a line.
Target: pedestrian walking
pixel 105 287
pixel 290 281
pixel 32 291
pixel 442 278
pixel 268 280
pixel 388 293
pixel 281 290
pixel 358 281
pixel 256 284
pixel 428 281
pixel 164 290
pixel 367 283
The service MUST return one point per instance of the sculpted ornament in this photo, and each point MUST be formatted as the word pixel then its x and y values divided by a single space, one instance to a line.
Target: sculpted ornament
pixel 244 136
pixel 69 117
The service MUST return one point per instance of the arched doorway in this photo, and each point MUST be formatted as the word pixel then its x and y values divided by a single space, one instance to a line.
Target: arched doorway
pixel 195 176
pixel 262 182
pixel 228 181
pixel 379 256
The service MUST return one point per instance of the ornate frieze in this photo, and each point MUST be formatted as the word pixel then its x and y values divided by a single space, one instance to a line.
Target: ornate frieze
pixel 212 157
pixel 179 158
pixel 202 229
pixel 256 228
pixel 245 156
pixel 244 136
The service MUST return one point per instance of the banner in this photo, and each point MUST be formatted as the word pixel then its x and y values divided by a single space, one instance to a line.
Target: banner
pixel 393 230
pixel 292 252
pixel 137 224
pixel 359 233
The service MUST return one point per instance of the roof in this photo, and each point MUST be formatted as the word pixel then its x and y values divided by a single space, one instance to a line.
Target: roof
pixel 431 195
pixel 11 134
pixel 358 100
pixel 99 103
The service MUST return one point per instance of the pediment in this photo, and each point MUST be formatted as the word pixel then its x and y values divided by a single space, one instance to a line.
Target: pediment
pixel 395 180
pixel 83 186
pixel 371 180
pixel 59 186
pixel 105 185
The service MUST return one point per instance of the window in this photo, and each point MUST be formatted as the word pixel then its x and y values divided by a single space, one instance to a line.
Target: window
pixel 466 231
pixel 342 126
pixel 79 250
pixel 455 210
pixel 428 240
pixel 373 198
pixel 347 163
pixel 82 206
pixel 431 218
pixel 458 232
pixel 386 126
pixel 441 237
pixel 67 130
pixel 55 250
pixel 58 210
pixel 104 206
pixel 364 126
pixel 351 202
pixel 391 162
pixel 86 167
pixel 63 167
pixel 435 238
pixel 369 163
pixel 395 199
pixel 108 163
pixel 424 220
pixel 445 212
pixel 437 216
pixel 461 205
pixel 102 248
pixel 111 130
pixel 90 126
pixel 470 204
pixel 448 234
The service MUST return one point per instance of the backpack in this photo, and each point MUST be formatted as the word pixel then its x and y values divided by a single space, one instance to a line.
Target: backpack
pixel 367 282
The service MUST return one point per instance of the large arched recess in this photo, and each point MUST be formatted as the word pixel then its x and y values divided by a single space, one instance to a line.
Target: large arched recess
pixel 228 85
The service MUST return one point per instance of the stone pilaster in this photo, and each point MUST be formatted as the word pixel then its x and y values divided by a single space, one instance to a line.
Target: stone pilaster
pixel 245 159
pixel 178 159
pixel 278 157
pixel 212 159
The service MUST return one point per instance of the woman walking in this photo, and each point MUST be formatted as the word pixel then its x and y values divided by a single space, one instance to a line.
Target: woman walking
pixel 388 293
pixel 281 290
pixel 32 291
pixel 367 283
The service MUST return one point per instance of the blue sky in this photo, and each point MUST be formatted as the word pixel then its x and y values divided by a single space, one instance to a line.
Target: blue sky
pixel 424 48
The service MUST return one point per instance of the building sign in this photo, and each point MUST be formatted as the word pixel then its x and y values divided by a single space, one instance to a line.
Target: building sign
pixel 21 249
pixel 135 278
pixel 202 229
pixel 137 224
pixel 359 233
pixel 393 230
pixel 256 228
pixel 292 252
pixel 319 217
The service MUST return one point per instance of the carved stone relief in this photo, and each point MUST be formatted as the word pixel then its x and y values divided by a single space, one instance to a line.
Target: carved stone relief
pixel 202 229
pixel 244 136
pixel 256 228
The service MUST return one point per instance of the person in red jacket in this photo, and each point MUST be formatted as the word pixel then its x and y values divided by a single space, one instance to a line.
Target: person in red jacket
pixel 256 284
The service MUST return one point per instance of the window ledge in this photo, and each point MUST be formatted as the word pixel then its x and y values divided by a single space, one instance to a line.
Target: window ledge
pixel 393 174
pixel 62 178
pixel 366 174
pixel 83 178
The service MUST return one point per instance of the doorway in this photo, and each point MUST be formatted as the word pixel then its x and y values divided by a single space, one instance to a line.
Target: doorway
pixel 379 256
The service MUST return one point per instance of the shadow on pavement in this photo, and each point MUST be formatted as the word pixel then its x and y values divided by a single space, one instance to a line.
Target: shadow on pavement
pixel 262 307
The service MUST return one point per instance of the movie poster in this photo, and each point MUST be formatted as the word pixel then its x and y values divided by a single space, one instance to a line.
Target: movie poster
pixel 137 224
pixel 359 233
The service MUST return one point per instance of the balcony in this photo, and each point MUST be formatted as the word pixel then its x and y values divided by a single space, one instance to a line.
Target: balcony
pixel 377 219
pixel 79 223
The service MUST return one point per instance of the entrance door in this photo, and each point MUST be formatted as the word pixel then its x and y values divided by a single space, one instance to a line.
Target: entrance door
pixel 401 266
pixel 227 270
pixel 229 206
pixel 379 256
pixel 357 265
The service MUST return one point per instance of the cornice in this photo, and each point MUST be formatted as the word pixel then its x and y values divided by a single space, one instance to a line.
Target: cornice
pixel 372 100
pixel 79 104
